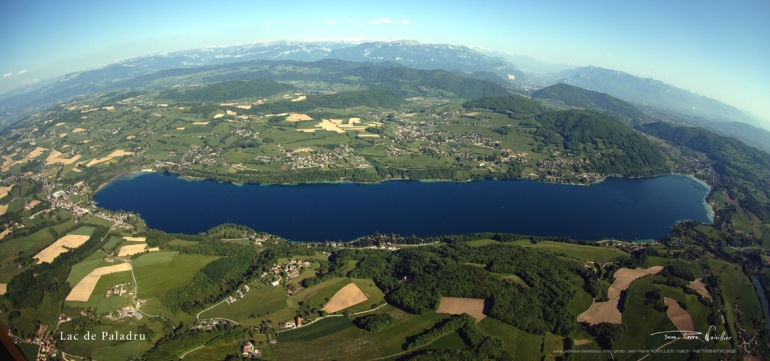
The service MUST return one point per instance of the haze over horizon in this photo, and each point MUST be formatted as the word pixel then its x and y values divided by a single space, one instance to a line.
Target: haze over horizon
pixel 711 48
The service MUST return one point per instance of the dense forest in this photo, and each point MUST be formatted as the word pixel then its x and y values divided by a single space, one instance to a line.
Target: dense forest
pixel 581 131
pixel 416 279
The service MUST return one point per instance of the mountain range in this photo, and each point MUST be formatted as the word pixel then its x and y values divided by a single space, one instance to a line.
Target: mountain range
pixel 647 94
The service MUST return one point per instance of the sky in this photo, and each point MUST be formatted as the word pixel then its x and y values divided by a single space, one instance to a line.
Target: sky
pixel 720 49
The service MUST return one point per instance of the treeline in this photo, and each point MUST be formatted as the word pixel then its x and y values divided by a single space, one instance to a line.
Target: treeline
pixel 219 278
pixel 376 322
pixel 480 346
pixel 182 339
pixel 27 289
pixel 238 89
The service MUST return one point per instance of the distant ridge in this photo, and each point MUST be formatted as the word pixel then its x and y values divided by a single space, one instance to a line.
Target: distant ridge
pixel 653 93
pixel 590 100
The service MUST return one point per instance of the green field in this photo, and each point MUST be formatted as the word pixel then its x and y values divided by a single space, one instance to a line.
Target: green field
pixel 84 231
pixel 29 350
pixel 81 270
pixel 160 277
pixel 519 344
pixel 118 352
pixel 110 245
pixel 736 287
pixel 181 242
pixel 351 344
pixel 154 258
pixel 481 242
pixel 580 302
pixel 258 301
pixel 317 329
pixel 310 292
pixel 641 320
pixel 592 253
pixel 322 295
pixel 393 339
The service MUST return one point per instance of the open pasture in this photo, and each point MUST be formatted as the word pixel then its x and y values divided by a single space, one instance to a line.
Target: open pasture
pixel 392 340
pixel 351 343
pixel 459 305
pixel 155 278
pixel 260 300
pixel 576 251
pixel 519 344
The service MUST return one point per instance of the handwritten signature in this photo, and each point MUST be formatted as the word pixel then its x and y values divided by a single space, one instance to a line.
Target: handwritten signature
pixel 695 335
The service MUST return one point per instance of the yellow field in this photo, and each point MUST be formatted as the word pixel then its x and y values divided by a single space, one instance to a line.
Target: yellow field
pixel 295 117
pixel 57 248
pixel 135 239
pixel 369 135
pixel 117 153
pixel 608 311
pixel 132 249
pixel 199 123
pixel 56 157
pixel 458 306
pixel 4 191
pixel 624 277
pixel 82 291
pixel 301 97
pixel 678 315
pixel 699 286
pixel 347 296
pixel 218 116
pixel 3 208
pixel 3 288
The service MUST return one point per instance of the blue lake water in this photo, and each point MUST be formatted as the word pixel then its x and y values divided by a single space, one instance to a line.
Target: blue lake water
pixel 632 209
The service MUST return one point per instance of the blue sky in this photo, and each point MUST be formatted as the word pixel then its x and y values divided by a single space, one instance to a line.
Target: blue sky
pixel 718 49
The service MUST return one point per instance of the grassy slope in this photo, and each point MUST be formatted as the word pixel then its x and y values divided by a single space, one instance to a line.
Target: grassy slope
pixel 591 253
pixel 262 300
pixel 160 277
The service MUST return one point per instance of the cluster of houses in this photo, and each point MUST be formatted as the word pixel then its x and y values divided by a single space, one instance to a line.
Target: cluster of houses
pixel 118 290
pixel 238 294
pixel 297 322
pixel 248 351
pixel 291 269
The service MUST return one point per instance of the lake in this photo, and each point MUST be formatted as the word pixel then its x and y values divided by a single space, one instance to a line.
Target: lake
pixel 632 209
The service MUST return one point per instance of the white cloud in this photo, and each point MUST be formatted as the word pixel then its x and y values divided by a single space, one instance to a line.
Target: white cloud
pixel 331 22
pixel 402 21
pixel 23 72
pixel 381 21
pixel 6 75
pixel 608 54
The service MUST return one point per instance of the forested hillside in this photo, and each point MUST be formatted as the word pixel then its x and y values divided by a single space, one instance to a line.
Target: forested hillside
pixel 590 100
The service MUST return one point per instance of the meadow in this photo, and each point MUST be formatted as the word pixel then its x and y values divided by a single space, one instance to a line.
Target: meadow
pixel 158 274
